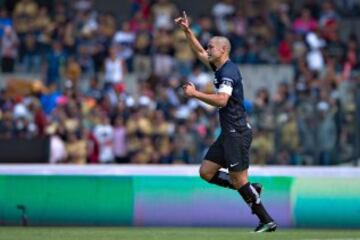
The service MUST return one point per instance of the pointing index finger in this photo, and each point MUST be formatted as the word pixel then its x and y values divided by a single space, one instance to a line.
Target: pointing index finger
pixel 184 15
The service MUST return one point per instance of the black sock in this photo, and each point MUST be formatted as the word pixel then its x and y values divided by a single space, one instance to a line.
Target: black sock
pixel 222 179
pixel 252 198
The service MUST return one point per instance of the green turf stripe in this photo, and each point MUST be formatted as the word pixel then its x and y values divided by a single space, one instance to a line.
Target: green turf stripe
pixel 67 200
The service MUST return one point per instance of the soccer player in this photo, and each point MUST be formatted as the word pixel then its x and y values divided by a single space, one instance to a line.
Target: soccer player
pixel 231 148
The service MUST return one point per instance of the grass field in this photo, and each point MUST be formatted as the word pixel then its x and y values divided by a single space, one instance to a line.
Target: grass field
pixel 122 233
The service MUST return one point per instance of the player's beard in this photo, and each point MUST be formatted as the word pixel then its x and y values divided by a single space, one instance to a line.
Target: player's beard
pixel 214 57
pixel 211 59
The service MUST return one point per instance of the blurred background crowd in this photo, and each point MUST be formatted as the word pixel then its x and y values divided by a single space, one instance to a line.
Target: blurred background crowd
pixel 105 87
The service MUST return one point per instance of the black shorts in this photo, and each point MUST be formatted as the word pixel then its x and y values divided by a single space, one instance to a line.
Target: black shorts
pixel 231 150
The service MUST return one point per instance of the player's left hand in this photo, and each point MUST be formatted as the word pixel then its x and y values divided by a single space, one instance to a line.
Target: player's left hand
pixel 189 89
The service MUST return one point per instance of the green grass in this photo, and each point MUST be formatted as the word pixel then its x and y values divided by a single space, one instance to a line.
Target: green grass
pixel 124 233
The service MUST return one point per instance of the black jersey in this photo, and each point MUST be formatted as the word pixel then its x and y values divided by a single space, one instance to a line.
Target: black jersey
pixel 228 79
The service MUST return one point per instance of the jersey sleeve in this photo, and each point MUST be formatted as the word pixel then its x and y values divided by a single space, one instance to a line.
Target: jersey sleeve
pixel 226 85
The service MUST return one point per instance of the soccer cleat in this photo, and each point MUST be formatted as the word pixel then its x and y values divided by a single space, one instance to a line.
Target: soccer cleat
pixel 266 227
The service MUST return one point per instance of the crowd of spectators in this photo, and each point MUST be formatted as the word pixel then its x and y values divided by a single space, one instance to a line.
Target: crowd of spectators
pixel 83 58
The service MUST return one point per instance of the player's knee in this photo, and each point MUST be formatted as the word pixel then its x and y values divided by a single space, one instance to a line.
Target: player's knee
pixel 204 174
pixel 238 181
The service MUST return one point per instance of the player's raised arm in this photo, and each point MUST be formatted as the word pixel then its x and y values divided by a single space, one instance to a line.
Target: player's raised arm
pixel 195 45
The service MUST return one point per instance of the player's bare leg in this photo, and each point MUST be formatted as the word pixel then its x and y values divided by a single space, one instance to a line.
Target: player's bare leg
pixel 210 172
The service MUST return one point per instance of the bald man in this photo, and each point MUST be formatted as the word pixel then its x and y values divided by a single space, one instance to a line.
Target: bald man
pixel 231 149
